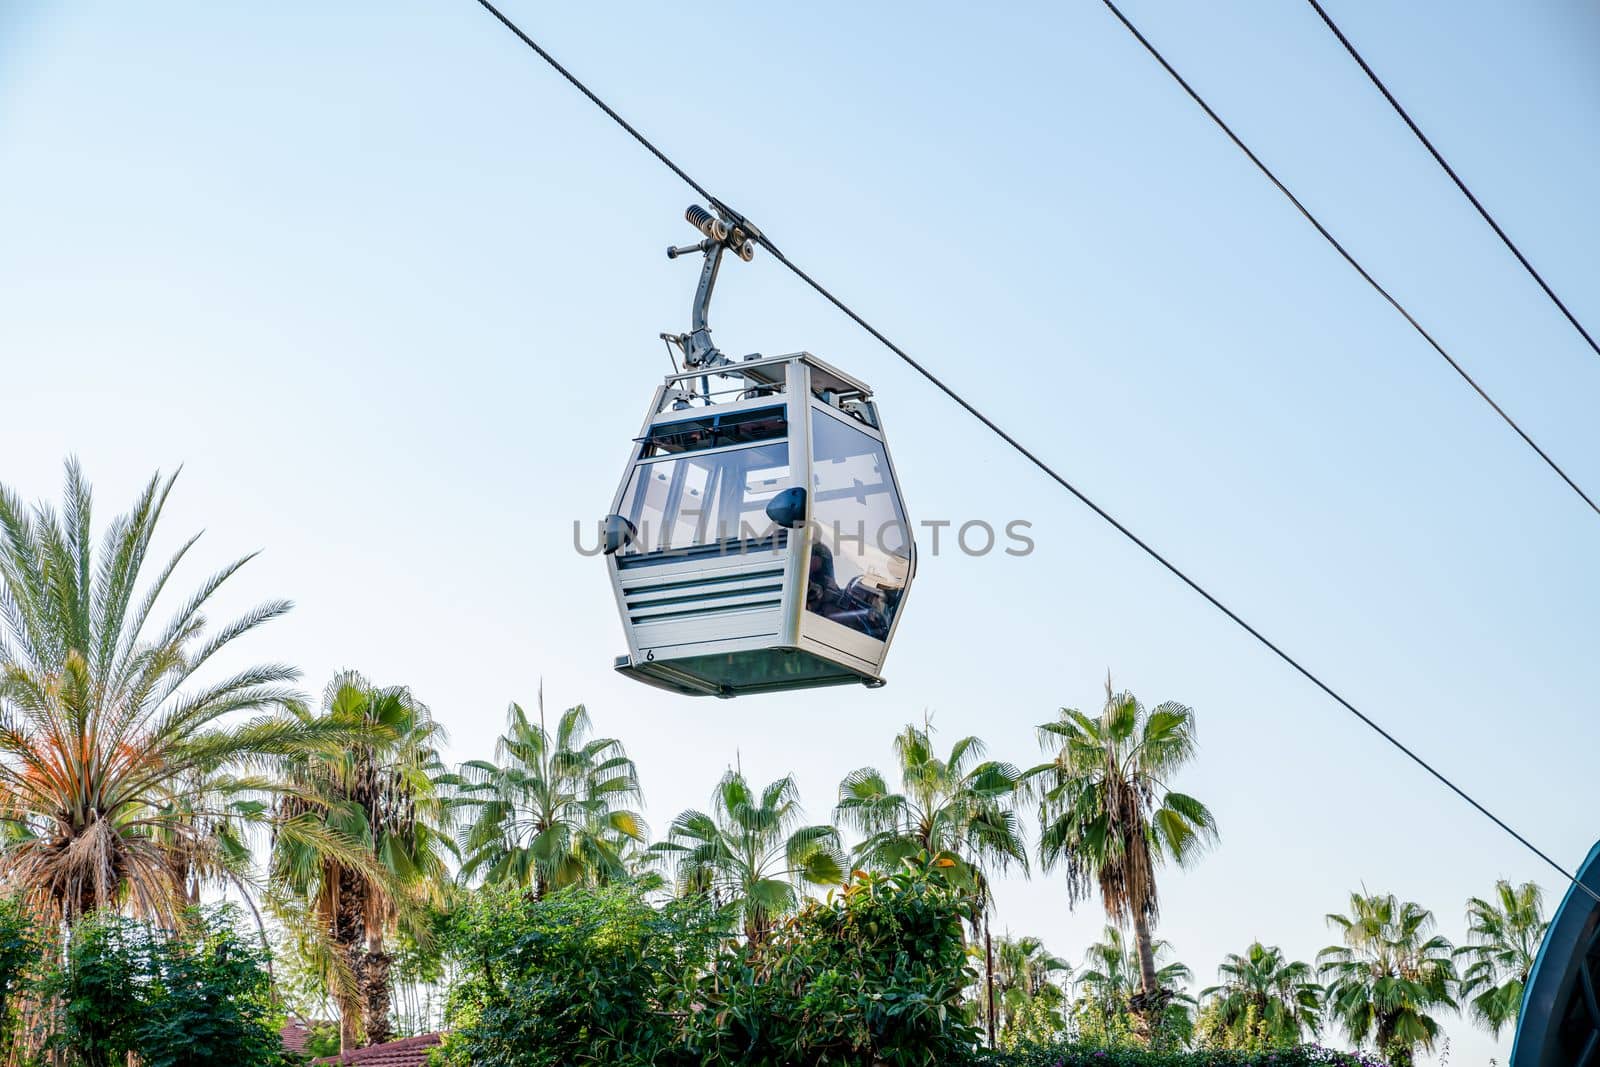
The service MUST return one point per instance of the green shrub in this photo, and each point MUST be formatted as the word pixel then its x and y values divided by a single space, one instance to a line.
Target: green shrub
pixel 99 990
pixel 200 995
pixel 581 977
pixel 874 974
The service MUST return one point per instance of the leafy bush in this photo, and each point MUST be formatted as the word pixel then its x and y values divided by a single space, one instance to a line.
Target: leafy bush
pixel 99 991
pixel 581 977
pixel 1082 1056
pixel 872 975
pixel 198 996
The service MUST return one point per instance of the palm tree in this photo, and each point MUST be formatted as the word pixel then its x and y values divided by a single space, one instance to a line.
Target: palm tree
pixel 752 851
pixel 1107 812
pixel 1026 973
pixel 957 811
pixel 1502 940
pixel 1111 981
pixel 1388 974
pixel 958 808
pixel 361 839
pixel 1264 1000
pixel 550 811
pixel 107 719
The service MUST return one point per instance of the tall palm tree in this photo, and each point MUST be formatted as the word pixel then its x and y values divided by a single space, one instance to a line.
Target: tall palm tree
pixel 958 808
pixel 361 839
pixel 1389 973
pixel 1503 939
pixel 752 851
pixel 551 810
pixel 1107 812
pixel 1112 981
pixel 108 718
pixel 1264 1000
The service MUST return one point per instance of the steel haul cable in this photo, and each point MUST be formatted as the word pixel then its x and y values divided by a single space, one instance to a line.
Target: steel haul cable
pixel 1048 470
pixel 1448 169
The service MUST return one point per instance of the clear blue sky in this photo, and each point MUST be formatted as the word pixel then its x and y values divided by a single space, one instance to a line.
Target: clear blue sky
pixel 389 291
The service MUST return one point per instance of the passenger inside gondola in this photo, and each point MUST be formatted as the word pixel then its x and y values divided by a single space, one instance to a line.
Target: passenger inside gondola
pixel 857 606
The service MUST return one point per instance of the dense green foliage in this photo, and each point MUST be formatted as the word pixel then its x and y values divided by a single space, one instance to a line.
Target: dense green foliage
pixel 579 977
pixel 874 974
pixel 201 995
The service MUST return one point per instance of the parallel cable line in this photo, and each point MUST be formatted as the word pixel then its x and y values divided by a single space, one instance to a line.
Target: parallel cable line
pixel 1448 169
pixel 1348 257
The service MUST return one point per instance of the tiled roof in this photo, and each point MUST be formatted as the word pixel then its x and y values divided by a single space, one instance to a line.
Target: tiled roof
pixel 296 1032
pixel 410 1052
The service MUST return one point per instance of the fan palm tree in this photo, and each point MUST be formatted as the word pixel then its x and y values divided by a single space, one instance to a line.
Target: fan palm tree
pixel 550 811
pixel 108 718
pixel 751 851
pixel 1025 972
pixel 1503 939
pixel 1264 1000
pixel 958 808
pixel 361 839
pixel 1107 812
pixel 1112 980
pixel 1389 973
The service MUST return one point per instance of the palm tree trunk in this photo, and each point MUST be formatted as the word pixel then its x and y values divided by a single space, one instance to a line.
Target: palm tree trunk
pixel 988 969
pixel 1147 955
pixel 1151 1000
pixel 375 992
pixel 349 935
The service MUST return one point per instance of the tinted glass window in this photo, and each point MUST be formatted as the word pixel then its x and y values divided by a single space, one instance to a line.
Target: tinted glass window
pixel 862 556
pixel 705 499
pixel 716 431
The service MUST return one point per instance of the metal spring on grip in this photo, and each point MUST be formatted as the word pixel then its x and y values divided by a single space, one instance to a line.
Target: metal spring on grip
pixel 706 223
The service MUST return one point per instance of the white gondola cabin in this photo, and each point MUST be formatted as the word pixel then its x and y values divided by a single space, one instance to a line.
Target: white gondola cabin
pixel 758 541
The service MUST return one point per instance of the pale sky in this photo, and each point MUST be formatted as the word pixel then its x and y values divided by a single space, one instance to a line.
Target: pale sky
pixel 389 291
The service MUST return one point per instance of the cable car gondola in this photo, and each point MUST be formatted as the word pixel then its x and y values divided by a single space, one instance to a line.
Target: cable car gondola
pixel 758 541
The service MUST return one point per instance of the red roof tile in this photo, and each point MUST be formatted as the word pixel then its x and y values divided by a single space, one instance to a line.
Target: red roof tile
pixel 410 1052
pixel 296 1032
